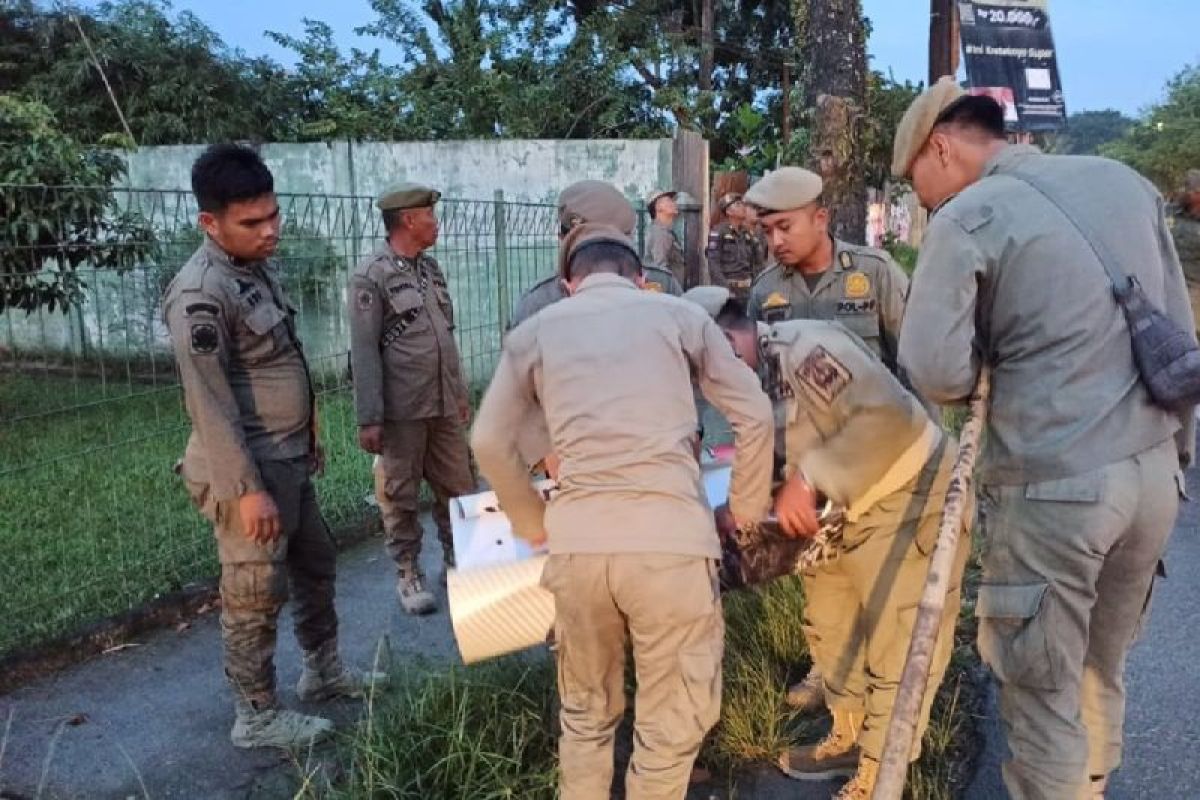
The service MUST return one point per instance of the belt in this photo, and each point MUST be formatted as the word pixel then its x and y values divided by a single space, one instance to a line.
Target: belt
pixel 740 284
pixel 902 470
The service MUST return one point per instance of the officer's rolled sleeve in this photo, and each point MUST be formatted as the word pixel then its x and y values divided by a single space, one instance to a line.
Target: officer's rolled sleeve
pixel 506 408
pixel 201 345
pixel 1179 309
pixel 936 348
pixel 365 310
pixel 735 390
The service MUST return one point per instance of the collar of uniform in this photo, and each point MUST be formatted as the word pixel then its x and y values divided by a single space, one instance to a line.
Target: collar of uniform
pixel 385 251
pixel 218 254
pixel 836 266
pixel 611 280
pixel 1008 157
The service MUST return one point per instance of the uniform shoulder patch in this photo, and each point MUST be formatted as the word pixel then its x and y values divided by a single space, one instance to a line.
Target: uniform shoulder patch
pixel 203 338
pixel 822 377
pixel 653 286
pixel 775 300
pixel 857 285
pixel 364 299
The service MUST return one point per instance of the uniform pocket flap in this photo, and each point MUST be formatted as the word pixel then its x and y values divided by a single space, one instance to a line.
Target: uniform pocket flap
pixel 1015 602
pixel 1076 489
pixel 264 318
pixel 404 298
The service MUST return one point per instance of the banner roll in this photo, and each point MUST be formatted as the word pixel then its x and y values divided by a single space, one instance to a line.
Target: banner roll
pixel 499 609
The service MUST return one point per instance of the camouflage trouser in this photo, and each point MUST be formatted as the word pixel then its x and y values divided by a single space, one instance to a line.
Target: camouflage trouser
pixel 668 608
pixel 255 580
pixel 436 450
pixel 860 609
pixel 1067 569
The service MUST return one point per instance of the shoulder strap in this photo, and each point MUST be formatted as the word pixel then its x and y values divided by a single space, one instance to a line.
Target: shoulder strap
pixel 1120 281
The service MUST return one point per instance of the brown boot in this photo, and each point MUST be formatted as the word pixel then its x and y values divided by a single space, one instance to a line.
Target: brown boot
pixel 809 694
pixel 410 588
pixel 862 784
pixel 326 678
pixel 835 756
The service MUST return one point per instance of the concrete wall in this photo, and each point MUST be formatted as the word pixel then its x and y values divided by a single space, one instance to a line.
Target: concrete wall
pixel 526 170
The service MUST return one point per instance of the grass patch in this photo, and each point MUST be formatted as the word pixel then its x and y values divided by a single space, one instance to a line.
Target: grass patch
pixel 92 519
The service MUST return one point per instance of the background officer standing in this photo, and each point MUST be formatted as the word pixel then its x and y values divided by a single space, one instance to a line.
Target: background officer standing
pixel 252 449
pixel 597 202
pixel 817 276
pixel 663 250
pixel 409 390
pixel 730 250
pixel 1078 477
pixel 632 542
pixel 1185 229
pixel 857 438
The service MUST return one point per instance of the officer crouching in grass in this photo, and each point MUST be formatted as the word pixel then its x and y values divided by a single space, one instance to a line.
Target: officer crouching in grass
pixel 253 448
pixel 409 391
pixel 858 439
pixel 633 547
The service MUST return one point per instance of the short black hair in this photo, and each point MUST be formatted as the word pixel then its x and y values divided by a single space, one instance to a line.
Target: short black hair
pixel 391 219
pixel 229 173
pixel 732 316
pixel 604 257
pixel 652 209
pixel 976 111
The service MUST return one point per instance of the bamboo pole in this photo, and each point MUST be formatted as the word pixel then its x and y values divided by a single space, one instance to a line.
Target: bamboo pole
pixel 893 769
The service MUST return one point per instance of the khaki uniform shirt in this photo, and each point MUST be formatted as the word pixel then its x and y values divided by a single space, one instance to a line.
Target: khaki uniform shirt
pixel 1005 279
pixel 550 290
pixel 402 349
pixel 245 381
pixel 591 365
pixel 864 290
pixel 664 252
pixel 731 256
pixel 852 429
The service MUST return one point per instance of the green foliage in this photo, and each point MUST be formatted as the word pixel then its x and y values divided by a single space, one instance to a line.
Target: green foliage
pixel 1088 131
pixel 1165 143
pixel 66 221
pixel 904 253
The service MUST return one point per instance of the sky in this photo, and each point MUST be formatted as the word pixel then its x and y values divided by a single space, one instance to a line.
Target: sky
pixel 1111 53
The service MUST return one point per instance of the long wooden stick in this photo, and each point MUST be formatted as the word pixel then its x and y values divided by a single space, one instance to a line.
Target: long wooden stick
pixel 893 769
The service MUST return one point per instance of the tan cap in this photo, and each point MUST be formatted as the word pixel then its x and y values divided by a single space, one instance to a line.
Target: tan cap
pixel 785 189
pixel 711 298
pixel 407 195
pixel 918 122
pixel 659 193
pixel 728 199
pixel 595 202
pixel 585 234
pixel 1191 181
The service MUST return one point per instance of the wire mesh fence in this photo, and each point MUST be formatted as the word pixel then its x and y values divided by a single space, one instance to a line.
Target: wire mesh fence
pixel 92 519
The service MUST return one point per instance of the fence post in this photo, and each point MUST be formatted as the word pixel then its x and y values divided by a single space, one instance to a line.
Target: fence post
pixel 502 298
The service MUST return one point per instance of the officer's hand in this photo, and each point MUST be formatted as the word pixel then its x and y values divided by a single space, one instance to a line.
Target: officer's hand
pixel 552 462
pixel 316 460
pixel 726 524
pixel 260 517
pixel 536 541
pixel 370 438
pixel 464 413
pixel 796 508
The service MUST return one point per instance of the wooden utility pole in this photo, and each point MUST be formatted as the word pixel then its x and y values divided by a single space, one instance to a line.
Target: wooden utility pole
pixel 706 45
pixel 689 173
pixel 786 83
pixel 943 39
pixel 835 86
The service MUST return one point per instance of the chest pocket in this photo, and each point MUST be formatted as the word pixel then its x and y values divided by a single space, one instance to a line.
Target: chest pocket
pixel 265 332
pixel 405 299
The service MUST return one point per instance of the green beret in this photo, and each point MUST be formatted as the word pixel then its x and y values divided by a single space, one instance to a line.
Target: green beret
pixel 407 195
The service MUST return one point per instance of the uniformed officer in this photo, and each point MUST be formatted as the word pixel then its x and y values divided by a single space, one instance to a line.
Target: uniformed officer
pixel 253 446
pixel 1185 229
pixel 758 240
pixel 590 201
pixel 730 249
pixel 409 390
pixel 1077 481
pixel 663 250
pixel 817 276
pixel 632 542
pixel 857 438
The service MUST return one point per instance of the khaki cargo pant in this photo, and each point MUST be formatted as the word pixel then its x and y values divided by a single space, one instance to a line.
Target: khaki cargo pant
pixel 1067 570
pixel 255 579
pixel 860 609
pixel 436 450
pixel 668 607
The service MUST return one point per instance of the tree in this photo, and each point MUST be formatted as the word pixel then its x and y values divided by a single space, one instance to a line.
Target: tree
pixel 1165 142
pixel 58 211
pixel 1088 131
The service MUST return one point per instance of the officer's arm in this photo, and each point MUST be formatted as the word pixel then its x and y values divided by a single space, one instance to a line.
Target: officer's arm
pixel 1179 309
pixel 937 339
pixel 200 340
pixel 734 389
pixel 893 289
pixel 507 405
pixel 366 312
pixel 754 303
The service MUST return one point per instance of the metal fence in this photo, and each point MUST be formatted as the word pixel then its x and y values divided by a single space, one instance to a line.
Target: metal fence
pixel 92 520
